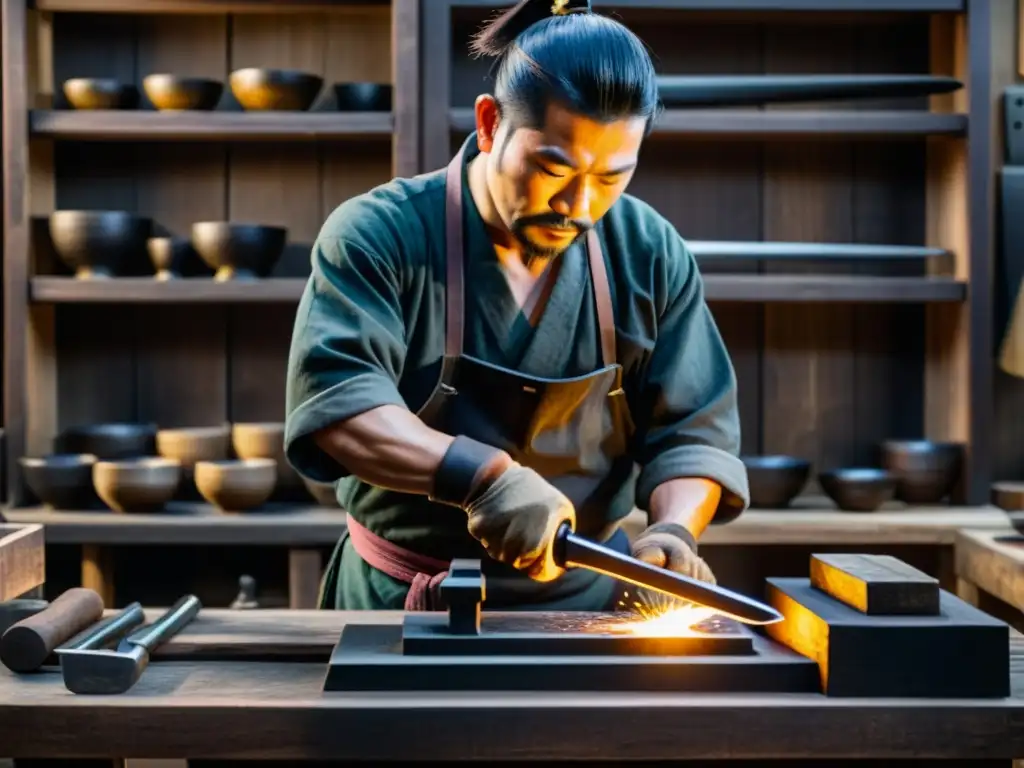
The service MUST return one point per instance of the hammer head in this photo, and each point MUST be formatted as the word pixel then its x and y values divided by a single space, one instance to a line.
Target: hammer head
pixel 100 672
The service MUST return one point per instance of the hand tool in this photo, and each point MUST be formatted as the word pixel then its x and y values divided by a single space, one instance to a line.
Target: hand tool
pixel 13 611
pixel 25 646
pixel 748 90
pixel 573 551
pixel 94 670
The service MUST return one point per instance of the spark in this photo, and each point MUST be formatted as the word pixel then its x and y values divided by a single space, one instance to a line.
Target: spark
pixel 653 614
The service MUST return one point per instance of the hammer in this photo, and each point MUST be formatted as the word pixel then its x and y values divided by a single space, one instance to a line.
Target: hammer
pixel 92 670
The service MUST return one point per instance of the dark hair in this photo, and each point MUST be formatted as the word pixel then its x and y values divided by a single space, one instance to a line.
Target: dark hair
pixel 563 51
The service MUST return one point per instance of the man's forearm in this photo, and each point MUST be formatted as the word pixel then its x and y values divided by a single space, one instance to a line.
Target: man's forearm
pixel 388 447
pixel 688 501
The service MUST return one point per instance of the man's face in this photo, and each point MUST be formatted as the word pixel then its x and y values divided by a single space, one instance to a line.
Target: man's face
pixel 551 185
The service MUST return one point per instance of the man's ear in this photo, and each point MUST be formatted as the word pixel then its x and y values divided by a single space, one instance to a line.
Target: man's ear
pixel 487 120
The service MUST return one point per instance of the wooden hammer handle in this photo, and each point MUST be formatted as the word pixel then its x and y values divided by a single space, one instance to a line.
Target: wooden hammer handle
pixel 26 645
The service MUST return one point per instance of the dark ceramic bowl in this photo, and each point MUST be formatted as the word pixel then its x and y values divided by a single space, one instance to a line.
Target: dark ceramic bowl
pixel 926 472
pixel 109 441
pixel 257 88
pixel 61 480
pixel 100 93
pixel 174 257
pixel 363 97
pixel 238 251
pixel 857 489
pixel 173 93
pixel 99 244
pixel 775 480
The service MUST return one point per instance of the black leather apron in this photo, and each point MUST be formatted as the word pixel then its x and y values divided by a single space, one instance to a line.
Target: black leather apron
pixel 575 432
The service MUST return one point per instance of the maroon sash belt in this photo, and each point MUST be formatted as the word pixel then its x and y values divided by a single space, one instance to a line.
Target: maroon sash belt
pixel 423 574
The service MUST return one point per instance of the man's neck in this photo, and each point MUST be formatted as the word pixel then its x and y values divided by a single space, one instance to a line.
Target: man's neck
pixel 508 249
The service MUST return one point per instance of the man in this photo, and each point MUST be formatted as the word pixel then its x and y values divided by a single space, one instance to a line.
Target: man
pixel 486 352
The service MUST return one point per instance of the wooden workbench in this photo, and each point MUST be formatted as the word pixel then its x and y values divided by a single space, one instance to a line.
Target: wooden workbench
pixel 990 564
pixel 261 705
pixel 811 522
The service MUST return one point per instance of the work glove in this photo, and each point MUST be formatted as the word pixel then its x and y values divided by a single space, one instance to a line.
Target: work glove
pixel 671 546
pixel 516 519
pixel 511 510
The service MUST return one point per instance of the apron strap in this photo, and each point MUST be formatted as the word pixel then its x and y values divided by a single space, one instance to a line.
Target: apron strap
pixel 455 294
pixel 602 297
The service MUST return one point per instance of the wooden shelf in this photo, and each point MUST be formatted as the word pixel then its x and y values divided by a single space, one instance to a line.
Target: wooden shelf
pixel 718 287
pixel 142 290
pixel 131 125
pixel 812 521
pixel 190 524
pixel 197 6
pixel 819 288
pixel 921 6
pixel 680 123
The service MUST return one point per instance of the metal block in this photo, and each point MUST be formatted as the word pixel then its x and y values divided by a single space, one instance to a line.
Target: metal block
pixel 369 658
pixel 463 590
pixel 876 584
pixel 959 653
pixel 568 634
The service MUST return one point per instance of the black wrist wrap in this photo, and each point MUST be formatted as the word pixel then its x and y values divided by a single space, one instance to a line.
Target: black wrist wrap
pixel 679 531
pixel 467 468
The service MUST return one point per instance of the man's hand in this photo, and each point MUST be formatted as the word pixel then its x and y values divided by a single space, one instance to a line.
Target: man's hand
pixel 671 546
pixel 516 519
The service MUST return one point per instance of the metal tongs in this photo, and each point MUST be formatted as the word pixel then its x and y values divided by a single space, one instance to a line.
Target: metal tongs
pixel 573 551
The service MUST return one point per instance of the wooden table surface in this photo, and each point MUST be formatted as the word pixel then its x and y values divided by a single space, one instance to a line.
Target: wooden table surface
pixel 267 703
pixel 992 561
pixel 811 521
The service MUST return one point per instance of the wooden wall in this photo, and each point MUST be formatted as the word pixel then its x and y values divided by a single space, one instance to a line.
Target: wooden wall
pixel 825 382
pixel 202 365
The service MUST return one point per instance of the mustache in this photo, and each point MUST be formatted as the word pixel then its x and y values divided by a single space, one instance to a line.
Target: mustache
pixel 554 220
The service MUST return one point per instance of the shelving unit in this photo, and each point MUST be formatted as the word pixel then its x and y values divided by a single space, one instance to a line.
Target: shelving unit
pixel 831 358
pixel 173 366
pixel 145 360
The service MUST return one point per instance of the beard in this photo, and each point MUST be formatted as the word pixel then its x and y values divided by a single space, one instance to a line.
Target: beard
pixel 534 251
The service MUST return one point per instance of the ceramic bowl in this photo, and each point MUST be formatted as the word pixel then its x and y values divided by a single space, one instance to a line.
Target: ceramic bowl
pixel 265 440
pixel 926 472
pixel 108 441
pixel 363 97
pixel 859 489
pixel 136 485
pixel 174 93
pixel 238 251
pixel 174 257
pixel 100 93
pixel 236 485
pixel 1008 496
pixel 259 88
pixel 775 481
pixel 99 244
pixel 189 445
pixel 61 480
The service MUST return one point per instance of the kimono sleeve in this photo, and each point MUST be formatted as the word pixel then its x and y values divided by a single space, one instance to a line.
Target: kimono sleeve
pixel 689 416
pixel 347 349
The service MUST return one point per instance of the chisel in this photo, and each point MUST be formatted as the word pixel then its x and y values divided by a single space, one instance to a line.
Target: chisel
pixel 573 551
